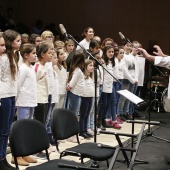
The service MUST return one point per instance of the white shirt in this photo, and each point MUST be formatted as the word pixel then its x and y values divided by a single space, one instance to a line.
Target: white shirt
pixel 77 83
pixel 26 87
pixel 107 78
pixel 62 79
pixel 89 88
pixel 42 83
pixel 164 62
pixel 84 43
pixel 141 62
pixel 7 84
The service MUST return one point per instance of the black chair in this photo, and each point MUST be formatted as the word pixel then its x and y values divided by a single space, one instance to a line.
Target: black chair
pixel 64 124
pixel 28 137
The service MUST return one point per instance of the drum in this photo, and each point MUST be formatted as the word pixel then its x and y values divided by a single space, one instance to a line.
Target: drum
pixel 165 101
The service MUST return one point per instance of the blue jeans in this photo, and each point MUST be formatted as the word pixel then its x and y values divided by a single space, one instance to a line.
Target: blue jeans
pixel 25 112
pixel 112 110
pixel 104 104
pixel 118 96
pixel 90 123
pixel 73 102
pixel 7 112
pixel 85 108
pixel 124 104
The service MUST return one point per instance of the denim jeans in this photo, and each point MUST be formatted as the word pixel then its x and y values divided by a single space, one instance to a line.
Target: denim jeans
pixel 85 108
pixel 124 104
pixel 90 123
pixel 118 96
pixel 73 102
pixel 112 110
pixel 25 112
pixel 7 112
pixel 104 104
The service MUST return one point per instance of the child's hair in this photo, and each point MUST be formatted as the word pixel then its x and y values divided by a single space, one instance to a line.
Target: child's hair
pixel 9 36
pixel 67 42
pixel 105 58
pixel 45 34
pixel 26 49
pixel 116 51
pixel 77 61
pixel 105 40
pixel 42 48
pixel 33 37
pixel 86 75
pixel 85 31
pixel 58 44
pixel 93 43
pixel 60 63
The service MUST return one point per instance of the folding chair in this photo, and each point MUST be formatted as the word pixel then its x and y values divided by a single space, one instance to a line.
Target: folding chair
pixel 28 137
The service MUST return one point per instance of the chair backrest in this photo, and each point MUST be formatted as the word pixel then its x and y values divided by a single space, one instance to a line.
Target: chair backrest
pixel 64 124
pixel 28 136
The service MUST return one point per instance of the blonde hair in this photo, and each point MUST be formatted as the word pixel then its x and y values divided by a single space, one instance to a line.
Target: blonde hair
pixel 59 44
pixel 45 34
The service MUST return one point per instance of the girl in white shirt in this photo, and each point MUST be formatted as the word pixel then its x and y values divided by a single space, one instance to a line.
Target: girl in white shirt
pixel 88 34
pixel 87 99
pixel 109 63
pixel 26 98
pixel 60 69
pixel 76 84
pixel 8 91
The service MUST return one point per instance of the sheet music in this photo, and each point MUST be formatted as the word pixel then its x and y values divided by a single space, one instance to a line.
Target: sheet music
pixel 130 96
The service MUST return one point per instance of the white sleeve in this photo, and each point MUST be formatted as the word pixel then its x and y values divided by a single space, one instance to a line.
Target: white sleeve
pixel 75 78
pixel 162 61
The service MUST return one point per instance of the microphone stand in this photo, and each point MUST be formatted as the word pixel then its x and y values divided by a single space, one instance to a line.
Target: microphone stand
pixel 95 163
pixel 149 132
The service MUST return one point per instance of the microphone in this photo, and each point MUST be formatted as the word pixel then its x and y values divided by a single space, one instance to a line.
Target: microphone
pixel 63 31
pixel 123 38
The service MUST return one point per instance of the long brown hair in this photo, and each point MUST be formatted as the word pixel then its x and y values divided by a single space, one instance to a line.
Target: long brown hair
pixel 77 61
pixel 9 36
pixel 86 75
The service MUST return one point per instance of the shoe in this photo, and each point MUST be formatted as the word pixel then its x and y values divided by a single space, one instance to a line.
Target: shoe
pixel 122 118
pixel 20 161
pixel 41 155
pixel 119 120
pixel 109 122
pixel 84 134
pixel 51 139
pixel 138 115
pixel 128 117
pixel 101 127
pixel 88 134
pixel 5 162
pixel 52 148
pixel 29 159
pixel 3 166
pixel 105 124
pixel 72 139
pixel 116 125
pixel 91 132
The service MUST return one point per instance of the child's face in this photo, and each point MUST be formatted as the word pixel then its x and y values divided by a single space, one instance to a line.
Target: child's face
pixel 2 46
pixel 16 43
pixel 25 39
pixel 70 47
pixel 90 67
pixel 107 43
pixel 54 58
pixel 95 49
pixel 89 34
pixel 128 48
pixel 120 54
pixel 38 41
pixel 110 53
pixel 47 56
pixel 135 48
pixel 31 57
pixel 61 56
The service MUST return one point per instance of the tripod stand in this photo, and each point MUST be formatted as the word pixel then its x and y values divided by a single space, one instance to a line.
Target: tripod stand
pixel 149 132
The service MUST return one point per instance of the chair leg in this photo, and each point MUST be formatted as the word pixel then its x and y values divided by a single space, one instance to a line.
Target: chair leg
pixel 107 163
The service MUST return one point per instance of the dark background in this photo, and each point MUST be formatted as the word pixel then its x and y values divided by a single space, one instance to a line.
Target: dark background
pixel 144 20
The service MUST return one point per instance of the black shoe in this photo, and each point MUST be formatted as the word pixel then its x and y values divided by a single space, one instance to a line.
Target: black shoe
pixel 138 115
pixel 88 134
pixel 105 124
pixel 84 134
pixel 122 118
pixel 7 164
pixel 41 155
pixel 3 166
pixel 101 127
pixel 52 141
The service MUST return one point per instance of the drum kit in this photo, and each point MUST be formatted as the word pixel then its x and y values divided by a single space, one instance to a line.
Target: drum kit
pixel 159 100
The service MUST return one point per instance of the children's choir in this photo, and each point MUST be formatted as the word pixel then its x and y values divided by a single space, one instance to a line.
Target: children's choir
pixel 35 80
